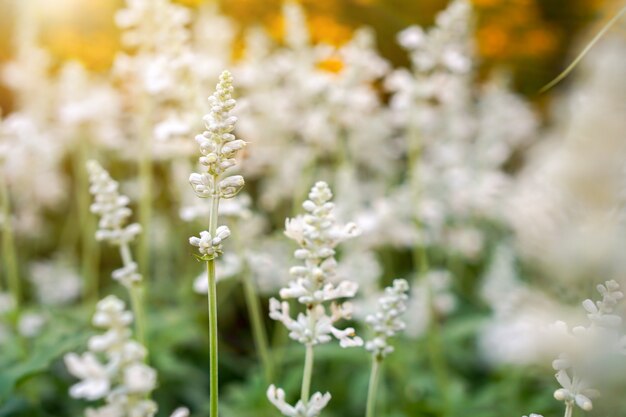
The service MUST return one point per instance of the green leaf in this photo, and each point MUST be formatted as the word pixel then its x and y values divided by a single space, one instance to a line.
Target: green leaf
pixel 45 351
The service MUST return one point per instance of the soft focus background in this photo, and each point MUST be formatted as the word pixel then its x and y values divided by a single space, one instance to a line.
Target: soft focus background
pixel 531 38
pixel 502 207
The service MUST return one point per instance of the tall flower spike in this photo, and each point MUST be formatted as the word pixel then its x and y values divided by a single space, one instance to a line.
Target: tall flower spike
pixel 218 145
pixel 600 338
pixel 386 321
pixel 123 380
pixel 315 283
pixel 114 212
pixel 111 207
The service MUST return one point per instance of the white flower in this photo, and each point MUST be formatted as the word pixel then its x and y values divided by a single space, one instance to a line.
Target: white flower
pixel 218 145
pixel 208 246
pixel 317 233
pixel 386 321
pixel 127 275
pixel 55 283
pixel 122 378
pixel 7 303
pixel 600 312
pixel 411 37
pixel 588 347
pixel 230 186
pixel 95 380
pixel 139 378
pixel 574 390
pixel 110 312
pixel 312 408
pixel 31 324
pixel 111 206
pixel 180 412
pixel 315 327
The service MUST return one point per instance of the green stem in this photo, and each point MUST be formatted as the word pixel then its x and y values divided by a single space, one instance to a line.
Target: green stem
pixel 90 253
pixel 212 299
pixel 436 355
pixel 258 326
pixel 9 253
pixel 569 409
pixel 213 359
pixel 145 174
pixel 373 386
pixel 307 375
pixel 421 264
pixel 136 297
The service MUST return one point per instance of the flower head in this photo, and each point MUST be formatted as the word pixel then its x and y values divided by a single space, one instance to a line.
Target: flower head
pixel 590 346
pixel 218 145
pixel 386 321
pixel 210 247
pixel 111 207
pixel 312 408
pixel 114 367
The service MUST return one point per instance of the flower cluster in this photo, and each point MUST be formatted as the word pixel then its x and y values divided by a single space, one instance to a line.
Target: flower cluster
pixel 111 207
pixel 210 247
pixel 219 145
pixel 122 379
pixel 317 234
pixel 312 408
pixel 113 211
pixel 445 45
pixel 589 345
pixel 386 321
pixel 456 156
pixel 55 282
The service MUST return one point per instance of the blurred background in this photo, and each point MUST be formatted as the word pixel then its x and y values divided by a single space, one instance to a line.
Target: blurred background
pixel 503 207
pixel 530 38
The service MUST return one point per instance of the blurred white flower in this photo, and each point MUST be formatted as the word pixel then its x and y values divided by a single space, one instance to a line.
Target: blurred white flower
pixel 95 380
pixel 312 408
pixel 55 282
pixel 386 321
pixel 123 378
pixel 31 324
pixel 111 207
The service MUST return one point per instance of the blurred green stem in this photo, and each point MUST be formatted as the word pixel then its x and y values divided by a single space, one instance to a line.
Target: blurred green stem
pixel 89 249
pixel 212 299
pixel 9 254
pixel 136 297
pixel 421 265
pixel 436 354
pixel 373 385
pixel 569 409
pixel 307 375
pixel 258 326
pixel 145 175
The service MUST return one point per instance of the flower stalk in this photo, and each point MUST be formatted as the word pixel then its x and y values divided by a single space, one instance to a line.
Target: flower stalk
pixel 113 211
pixel 315 283
pixel 259 331
pixel 385 323
pixel 9 253
pixel 307 375
pixel 218 147
pixel 373 386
